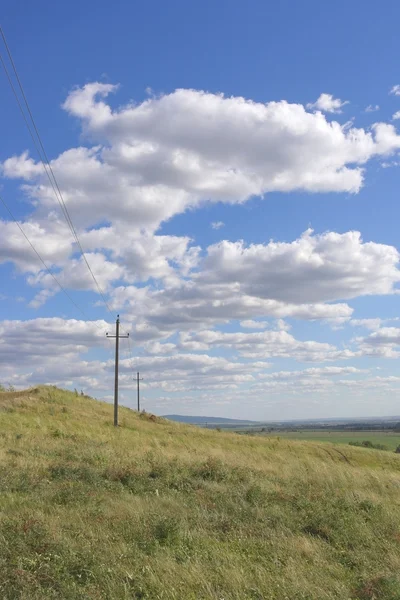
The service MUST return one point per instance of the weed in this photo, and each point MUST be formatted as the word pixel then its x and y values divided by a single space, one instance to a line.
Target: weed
pixel 166 531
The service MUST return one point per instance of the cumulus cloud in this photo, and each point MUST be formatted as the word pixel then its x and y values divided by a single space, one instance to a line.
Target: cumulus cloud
pixel 265 344
pixel 280 324
pixel 372 324
pixel 145 163
pixel 217 224
pixel 190 306
pixel 53 339
pixel 302 279
pixel 396 115
pixel 193 371
pixel 313 268
pixel 141 171
pixel 315 372
pixel 51 241
pixel 327 382
pixel 395 90
pixel 175 151
pixel 327 103
pixel 49 350
pixel 383 342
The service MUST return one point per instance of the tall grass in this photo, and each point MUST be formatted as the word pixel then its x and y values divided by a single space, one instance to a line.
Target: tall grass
pixel 159 510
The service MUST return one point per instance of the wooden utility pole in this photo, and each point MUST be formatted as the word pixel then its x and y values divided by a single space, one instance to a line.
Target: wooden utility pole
pixel 138 391
pixel 117 337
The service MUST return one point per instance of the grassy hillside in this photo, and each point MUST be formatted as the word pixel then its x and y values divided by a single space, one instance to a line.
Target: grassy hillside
pixel 159 510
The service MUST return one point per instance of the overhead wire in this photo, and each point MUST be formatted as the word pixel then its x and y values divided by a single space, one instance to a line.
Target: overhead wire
pixel 40 149
pixel 4 203
pixel 45 161
pixel 130 355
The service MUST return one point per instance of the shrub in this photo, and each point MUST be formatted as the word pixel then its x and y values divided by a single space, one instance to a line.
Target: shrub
pixel 166 531
pixel 368 444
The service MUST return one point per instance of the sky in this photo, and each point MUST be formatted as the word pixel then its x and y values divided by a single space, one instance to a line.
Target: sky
pixel 231 171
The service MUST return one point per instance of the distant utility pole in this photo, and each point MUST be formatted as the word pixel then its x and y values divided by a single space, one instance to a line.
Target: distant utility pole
pixel 117 337
pixel 138 379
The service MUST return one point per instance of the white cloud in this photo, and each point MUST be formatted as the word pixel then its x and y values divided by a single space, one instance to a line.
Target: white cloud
pixel 313 268
pixel 295 279
pixel 325 382
pixel 142 172
pixel 282 325
pixel 217 224
pixel 327 103
pixel 315 372
pixel 21 167
pixel 383 342
pixel 372 108
pixel 191 306
pixel 218 149
pixel 51 241
pixel 50 351
pixel 395 90
pixel 372 324
pixel 41 297
pixel 54 339
pixel 265 344
pixel 76 275
pixel 396 115
pixel 193 371
pixel 154 160
pixel 251 324
pixel 311 374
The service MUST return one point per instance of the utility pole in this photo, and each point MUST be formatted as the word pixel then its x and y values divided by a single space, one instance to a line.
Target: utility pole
pixel 138 391
pixel 117 337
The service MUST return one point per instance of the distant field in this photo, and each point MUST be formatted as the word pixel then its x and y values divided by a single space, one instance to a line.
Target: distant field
pixel 389 439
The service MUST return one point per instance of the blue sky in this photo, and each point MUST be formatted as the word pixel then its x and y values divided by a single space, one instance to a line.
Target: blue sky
pixel 232 171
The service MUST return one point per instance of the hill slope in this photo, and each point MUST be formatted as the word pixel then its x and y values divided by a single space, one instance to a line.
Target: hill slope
pixel 159 510
pixel 202 420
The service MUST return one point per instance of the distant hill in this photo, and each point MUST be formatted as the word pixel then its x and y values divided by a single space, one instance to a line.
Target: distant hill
pixel 203 420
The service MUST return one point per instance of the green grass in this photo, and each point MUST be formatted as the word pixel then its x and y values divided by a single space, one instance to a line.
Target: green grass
pixel 390 439
pixel 158 510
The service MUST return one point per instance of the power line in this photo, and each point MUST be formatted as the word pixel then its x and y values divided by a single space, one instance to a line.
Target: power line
pixel 42 261
pixel 46 163
pixel 37 141
pixel 130 353
pixel 48 269
pixel 34 140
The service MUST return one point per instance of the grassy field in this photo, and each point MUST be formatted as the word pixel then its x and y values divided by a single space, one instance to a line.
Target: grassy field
pixel 158 510
pixel 390 439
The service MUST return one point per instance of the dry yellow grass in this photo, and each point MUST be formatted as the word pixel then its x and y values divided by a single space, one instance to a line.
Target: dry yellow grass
pixel 159 510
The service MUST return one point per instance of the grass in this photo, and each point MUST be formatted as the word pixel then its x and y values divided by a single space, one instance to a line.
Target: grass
pixel 159 510
pixel 389 439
